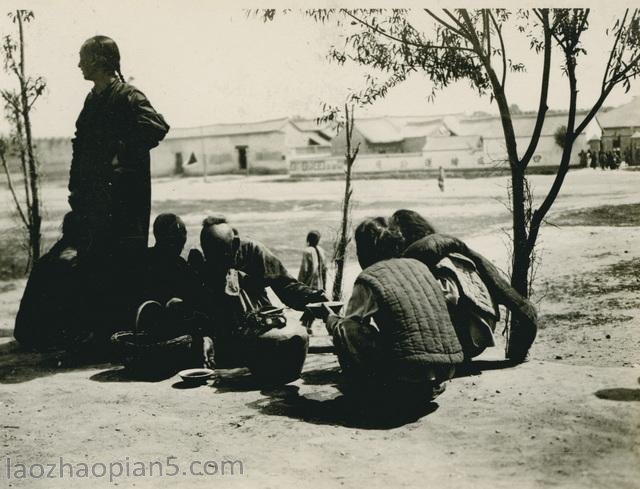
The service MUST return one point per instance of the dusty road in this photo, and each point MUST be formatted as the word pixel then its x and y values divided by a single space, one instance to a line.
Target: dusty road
pixel 570 417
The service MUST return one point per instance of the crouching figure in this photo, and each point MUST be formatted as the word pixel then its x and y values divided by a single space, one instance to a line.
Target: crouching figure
pixel 396 338
pixel 472 285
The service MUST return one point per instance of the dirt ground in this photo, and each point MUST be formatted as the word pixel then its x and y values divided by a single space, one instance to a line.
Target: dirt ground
pixel 570 417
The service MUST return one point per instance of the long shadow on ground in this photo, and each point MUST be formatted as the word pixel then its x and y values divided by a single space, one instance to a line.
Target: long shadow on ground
pixel 351 411
pixel 330 406
pixel 20 365
pixel 338 410
pixel 121 374
pixel 476 367
pixel 619 394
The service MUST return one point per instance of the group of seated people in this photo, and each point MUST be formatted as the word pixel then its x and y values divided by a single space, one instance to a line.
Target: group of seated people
pixel 423 303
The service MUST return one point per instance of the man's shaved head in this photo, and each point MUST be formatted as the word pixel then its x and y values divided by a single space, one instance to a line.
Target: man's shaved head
pixel 218 239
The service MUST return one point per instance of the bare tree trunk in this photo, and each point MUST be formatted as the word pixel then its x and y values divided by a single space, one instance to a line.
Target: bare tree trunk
pixel 12 189
pixel 343 238
pixel 35 237
pixel 521 253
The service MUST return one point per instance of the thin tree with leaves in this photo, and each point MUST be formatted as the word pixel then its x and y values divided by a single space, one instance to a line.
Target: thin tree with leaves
pixel 18 104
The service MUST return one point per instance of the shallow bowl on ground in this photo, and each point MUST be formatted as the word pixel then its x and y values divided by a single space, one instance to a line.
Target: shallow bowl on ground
pixel 196 375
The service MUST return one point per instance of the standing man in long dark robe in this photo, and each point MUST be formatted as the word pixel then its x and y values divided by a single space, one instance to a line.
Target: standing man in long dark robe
pixel 110 182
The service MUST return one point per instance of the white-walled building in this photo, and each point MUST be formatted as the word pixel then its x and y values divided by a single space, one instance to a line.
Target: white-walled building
pixel 454 141
pixel 256 147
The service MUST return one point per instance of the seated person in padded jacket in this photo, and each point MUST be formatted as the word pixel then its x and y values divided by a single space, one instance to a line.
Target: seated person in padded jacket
pixel 396 336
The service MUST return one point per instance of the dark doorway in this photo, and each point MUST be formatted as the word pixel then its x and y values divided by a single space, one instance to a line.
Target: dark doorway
pixel 179 168
pixel 242 157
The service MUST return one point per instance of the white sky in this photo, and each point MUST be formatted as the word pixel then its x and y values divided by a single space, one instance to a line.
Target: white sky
pixel 199 62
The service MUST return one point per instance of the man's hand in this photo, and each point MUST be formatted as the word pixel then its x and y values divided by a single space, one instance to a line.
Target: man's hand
pixel 208 352
pixel 324 312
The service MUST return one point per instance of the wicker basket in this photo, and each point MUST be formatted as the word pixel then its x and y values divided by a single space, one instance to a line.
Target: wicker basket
pixel 145 355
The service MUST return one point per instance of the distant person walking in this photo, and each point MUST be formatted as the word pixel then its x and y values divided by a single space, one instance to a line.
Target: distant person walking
pixel 441 179
pixel 313 270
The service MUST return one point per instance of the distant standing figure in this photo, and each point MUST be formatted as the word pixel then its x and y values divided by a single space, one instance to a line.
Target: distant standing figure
pixel 441 179
pixel 583 159
pixel 617 159
pixel 313 269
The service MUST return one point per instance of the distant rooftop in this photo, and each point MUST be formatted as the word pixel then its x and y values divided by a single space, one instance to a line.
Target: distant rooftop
pixel 624 116
pixel 230 129
pixel 380 130
pixel 394 129
pixel 272 125
pixel 523 125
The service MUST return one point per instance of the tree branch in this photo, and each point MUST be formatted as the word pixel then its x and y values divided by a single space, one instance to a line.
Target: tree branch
pixel 537 14
pixel 585 17
pixel 624 74
pixel 502 50
pixel 405 41
pixel 445 24
pixel 486 30
pixel 613 50
pixel 544 91
pixel 33 101
pixel 540 213
pixel 13 191
pixel 623 41
pixel 594 110
pixel 461 25
pixel 383 33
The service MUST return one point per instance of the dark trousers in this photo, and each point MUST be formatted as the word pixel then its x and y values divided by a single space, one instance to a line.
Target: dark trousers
pixel 363 362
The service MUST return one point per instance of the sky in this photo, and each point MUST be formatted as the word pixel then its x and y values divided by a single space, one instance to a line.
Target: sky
pixel 203 62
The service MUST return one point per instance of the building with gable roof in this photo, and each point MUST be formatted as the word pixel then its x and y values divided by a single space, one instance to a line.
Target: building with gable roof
pixel 252 147
pixel 621 130
pixel 452 141
pixel 393 134
pixel 548 153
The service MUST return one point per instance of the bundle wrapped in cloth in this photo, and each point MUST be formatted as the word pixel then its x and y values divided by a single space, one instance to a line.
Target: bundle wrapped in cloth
pixel 275 351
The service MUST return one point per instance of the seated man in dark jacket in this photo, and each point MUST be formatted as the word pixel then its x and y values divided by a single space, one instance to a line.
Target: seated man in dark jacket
pixel 396 335
pixel 472 285
pixel 172 298
pixel 237 272
pixel 53 311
